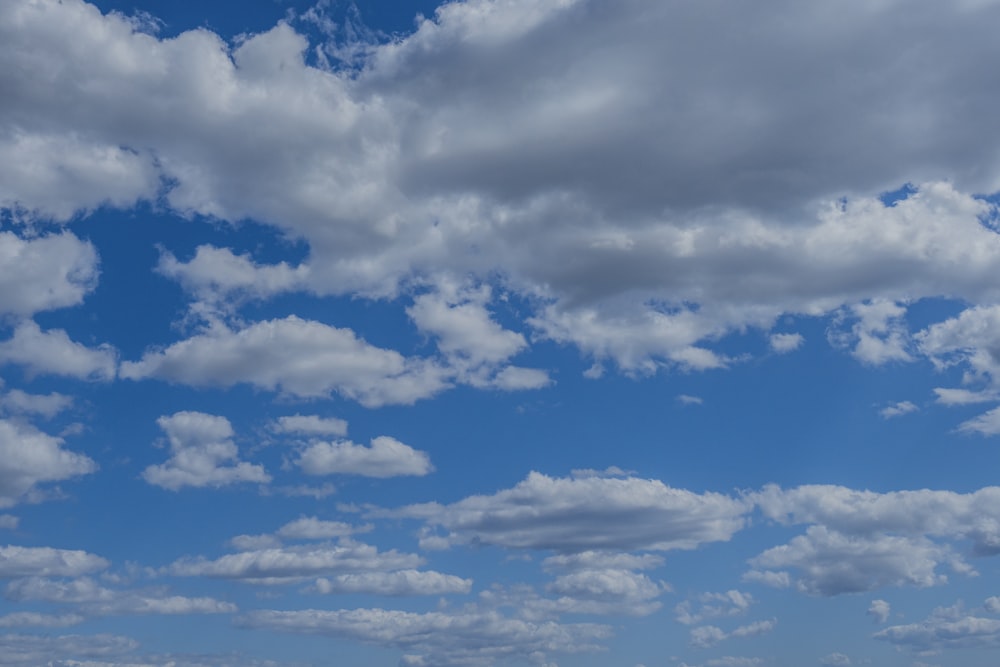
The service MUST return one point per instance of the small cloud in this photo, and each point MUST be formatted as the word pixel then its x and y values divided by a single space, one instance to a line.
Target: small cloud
pixel 786 342
pixel 686 399
pixel 987 423
pixel 880 610
pixel 946 396
pixel 594 372
pixel 835 660
pixel 898 409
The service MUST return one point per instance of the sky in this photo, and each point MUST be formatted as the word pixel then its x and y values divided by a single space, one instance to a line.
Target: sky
pixel 501 333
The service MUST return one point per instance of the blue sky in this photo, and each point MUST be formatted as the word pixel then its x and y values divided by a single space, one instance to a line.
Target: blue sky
pixel 499 332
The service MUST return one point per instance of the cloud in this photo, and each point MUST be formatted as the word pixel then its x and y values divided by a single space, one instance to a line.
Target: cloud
pixel 898 409
pixel 29 457
pixel 28 619
pixel 295 356
pixel 16 561
pixel 400 582
pixel 714 605
pixel 310 425
pixel 386 457
pixel 963 396
pixel 987 423
pixel 17 650
pixel 202 453
pixel 96 600
pixel 571 515
pixel 880 610
pixel 469 637
pixel 591 196
pixel 946 628
pixel 9 521
pixel 311 528
pixel 783 343
pixel 685 399
pixel 16 401
pixel 44 272
pixel 707 636
pixel 53 353
pixel 835 660
pixel 278 565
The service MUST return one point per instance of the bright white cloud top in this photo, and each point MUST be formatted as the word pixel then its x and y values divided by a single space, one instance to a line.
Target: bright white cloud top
pixel 499 332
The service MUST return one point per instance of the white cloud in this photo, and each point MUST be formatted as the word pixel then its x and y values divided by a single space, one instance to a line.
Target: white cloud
pixel 898 409
pixel 16 561
pixel 685 399
pixel 469 637
pixel 310 425
pixel 278 565
pixel 202 453
pixel 576 515
pixel 599 560
pixel 987 423
pixel 946 628
pixel 947 396
pixel 29 457
pixel 602 591
pixel 44 272
pixel 706 636
pixel 16 401
pixel 299 357
pixel 783 343
pixel 96 600
pixel 25 619
pixel 714 605
pixel 835 660
pixel 880 610
pixel 53 353
pixel 23 650
pixel 9 521
pixel 418 163
pixel 400 582
pixel 386 457
pixel 311 528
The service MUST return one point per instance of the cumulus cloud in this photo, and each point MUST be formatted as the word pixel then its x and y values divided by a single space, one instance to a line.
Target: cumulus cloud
pixel 202 453
pixel 385 457
pixel 571 515
pixel 469 637
pixel 987 423
pixel 880 610
pixel 945 628
pixel 277 565
pixel 786 342
pixel 706 636
pixel 312 528
pixel 310 425
pixel 19 402
pixel 898 409
pixel 29 457
pixel 44 272
pixel 16 561
pixel 399 582
pixel 295 356
pixel 713 605
pixel 835 660
pixel 23 650
pixel 54 353
pixel 597 196
pixel 96 600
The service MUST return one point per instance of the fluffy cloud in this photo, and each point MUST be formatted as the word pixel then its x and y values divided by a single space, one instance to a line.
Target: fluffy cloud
pixel 835 660
pixel 53 353
pixel 783 343
pixel 44 272
pixel 386 457
pixel 470 637
pixel 278 565
pixel 16 401
pixel 296 356
pixel 581 514
pixel 831 563
pixel 94 599
pixel 18 561
pixel 598 196
pixel 29 457
pixel 898 409
pixel 310 425
pixel 713 605
pixel 709 635
pixel 946 628
pixel 400 582
pixel 879 609
pixel 201 454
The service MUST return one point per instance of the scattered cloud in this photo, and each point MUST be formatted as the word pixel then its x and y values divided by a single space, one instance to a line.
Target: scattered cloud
pixel 879 610
pixel 386 457
pixel 782 343
pixel 29 457
pixel 898 409
pixel 53 353
pixel 686 399
pixel 202 453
